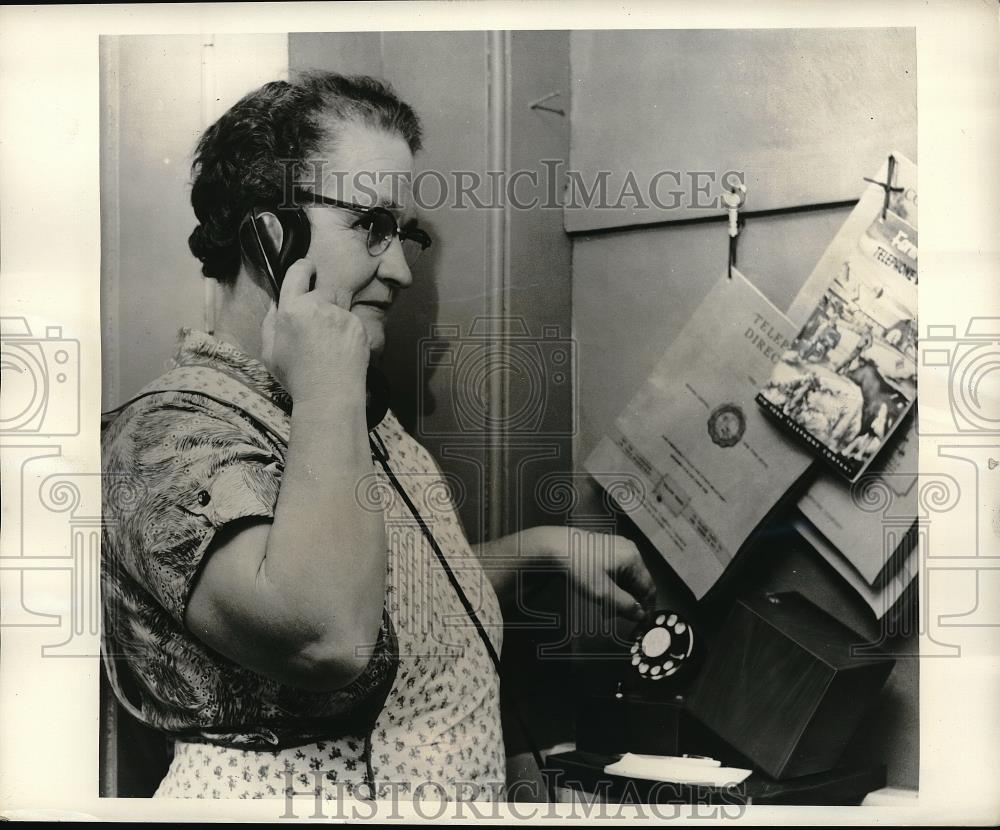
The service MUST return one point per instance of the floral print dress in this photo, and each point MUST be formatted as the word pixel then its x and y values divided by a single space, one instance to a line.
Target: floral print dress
pixel 426 709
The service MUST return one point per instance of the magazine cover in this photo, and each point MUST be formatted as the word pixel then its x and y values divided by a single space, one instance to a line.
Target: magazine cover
pixel 851 374
pixel 828 504
pixel 713 466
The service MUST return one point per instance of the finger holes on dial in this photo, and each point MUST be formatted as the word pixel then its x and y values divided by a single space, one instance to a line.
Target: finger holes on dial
pixel 664 645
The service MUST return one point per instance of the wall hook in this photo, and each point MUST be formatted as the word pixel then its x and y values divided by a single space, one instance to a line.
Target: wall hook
pixel 539 104
pixel 734 199
pixel 887 185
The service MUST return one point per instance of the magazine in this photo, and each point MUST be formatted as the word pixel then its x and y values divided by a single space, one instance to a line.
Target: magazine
pixel 864 537
pixel 850 375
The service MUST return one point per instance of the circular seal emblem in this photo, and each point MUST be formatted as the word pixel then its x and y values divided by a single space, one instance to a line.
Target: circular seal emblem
pixel 726 425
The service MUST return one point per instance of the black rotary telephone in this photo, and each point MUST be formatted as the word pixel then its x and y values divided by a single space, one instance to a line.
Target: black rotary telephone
pixel 274 262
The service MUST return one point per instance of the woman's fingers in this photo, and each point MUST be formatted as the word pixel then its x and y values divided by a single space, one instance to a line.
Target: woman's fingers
pixel 623 603
pixel 630 572
pixel 317 349
pixel 623 585
pixel 296 283
pixel 301 280
pixel 298 279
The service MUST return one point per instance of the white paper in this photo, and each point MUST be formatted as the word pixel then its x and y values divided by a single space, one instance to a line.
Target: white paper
pixel 692 459
pixel 676 770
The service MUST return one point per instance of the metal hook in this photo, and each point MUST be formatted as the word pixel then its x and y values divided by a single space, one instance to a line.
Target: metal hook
pixel 887 185
pixel 734 199
pixel 537 105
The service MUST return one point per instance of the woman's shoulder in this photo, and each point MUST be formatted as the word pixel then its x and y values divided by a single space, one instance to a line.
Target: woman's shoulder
pixel 175 463
pixel 156 410
pixel 165 418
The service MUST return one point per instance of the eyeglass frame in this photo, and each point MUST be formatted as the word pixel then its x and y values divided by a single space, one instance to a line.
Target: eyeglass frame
pixel 418 235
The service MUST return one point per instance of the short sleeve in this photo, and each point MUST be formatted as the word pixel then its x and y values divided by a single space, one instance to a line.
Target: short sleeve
pixel 189 466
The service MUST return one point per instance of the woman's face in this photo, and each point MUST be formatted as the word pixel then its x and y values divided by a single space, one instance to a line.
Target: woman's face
pixel 367 167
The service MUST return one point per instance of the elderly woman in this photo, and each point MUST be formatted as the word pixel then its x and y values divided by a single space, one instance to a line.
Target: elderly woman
pixel 279 598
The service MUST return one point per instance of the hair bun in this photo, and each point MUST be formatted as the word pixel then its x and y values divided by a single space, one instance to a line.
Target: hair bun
pixel 217 261
pixel 198 243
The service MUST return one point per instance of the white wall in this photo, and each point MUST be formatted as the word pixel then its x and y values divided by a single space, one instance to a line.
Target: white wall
pixel 158 93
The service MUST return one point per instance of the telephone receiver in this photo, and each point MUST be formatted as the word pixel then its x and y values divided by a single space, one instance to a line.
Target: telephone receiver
pixel 274 260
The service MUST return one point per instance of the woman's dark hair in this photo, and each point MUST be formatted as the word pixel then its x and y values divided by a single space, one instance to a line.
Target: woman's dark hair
pixel 242 160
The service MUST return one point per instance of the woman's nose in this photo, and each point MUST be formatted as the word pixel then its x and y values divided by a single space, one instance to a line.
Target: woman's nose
pixel 393 266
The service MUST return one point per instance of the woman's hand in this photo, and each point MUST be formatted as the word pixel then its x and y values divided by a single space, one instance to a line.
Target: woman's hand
pixel 299 597
pixel 312 343
pixel 605 568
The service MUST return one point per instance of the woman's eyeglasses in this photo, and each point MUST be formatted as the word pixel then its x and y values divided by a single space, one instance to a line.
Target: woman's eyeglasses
pixel 380 224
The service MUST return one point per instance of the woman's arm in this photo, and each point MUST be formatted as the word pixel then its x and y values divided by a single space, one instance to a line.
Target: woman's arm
pixel 300 598
pixel 607 569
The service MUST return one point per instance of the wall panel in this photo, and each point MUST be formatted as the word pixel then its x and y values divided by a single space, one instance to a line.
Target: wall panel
pixel 804 113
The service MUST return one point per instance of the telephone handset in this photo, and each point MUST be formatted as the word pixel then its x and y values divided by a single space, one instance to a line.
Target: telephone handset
pixel 258 245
